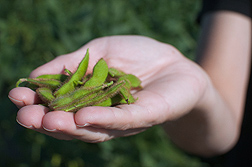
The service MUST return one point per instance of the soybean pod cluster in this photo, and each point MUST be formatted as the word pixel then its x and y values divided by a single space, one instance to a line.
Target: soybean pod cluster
pixel 72 91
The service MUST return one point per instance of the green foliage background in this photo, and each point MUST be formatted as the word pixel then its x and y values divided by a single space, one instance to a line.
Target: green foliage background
pixel 33 32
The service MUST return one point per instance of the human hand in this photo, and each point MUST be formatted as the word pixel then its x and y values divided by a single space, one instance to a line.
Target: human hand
pixel 172 86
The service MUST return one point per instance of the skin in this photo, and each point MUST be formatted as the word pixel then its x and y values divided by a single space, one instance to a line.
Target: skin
pixel 199 107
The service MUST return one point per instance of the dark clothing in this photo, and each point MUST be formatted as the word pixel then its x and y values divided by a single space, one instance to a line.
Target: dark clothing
pixel 240 6
pixel 241 154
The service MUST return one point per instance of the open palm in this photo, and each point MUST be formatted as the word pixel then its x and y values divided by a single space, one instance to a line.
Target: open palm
pixel 172 86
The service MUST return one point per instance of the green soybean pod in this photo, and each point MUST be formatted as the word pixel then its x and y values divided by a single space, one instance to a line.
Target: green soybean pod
pixel 105 103
pixel 45 94
pixel 125 91
pixel 127 96
pixel 134 81
pixel 117 99
pixel 113 72
pixel 76 95
pixel 41 82
pixel 94 99
pixel 86 78
pixel 68 72
pixel 60 77
pixel 107 94
pixel 100 73
pixel 75 79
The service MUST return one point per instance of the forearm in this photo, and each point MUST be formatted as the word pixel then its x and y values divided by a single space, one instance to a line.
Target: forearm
pixel 208 129
pixel 212 127
pixel 224 52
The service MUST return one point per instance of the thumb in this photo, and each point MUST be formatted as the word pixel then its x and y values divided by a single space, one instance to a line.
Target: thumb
pixel 145 112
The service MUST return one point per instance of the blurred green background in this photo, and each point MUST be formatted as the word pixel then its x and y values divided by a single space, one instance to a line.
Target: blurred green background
pixel 33 32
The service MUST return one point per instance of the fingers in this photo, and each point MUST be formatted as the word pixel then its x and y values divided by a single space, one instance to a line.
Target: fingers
pixel 60 123
pixel 31 117
pixel 23 96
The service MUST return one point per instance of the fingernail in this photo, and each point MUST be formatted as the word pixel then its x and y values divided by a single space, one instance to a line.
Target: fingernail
pixel 81 126
pixel 21 103
pixel 49 130
pixel 29 127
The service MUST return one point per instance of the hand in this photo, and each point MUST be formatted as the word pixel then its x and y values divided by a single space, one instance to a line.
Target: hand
pixel 172 86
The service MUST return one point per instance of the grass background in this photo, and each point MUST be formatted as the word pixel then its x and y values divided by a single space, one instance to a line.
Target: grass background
pixel 33 32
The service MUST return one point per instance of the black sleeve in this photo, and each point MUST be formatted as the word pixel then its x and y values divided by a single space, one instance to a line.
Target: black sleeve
pixel 240 6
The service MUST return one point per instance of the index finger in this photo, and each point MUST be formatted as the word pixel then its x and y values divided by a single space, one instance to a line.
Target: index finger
pixel 97 49
pixel 56 66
